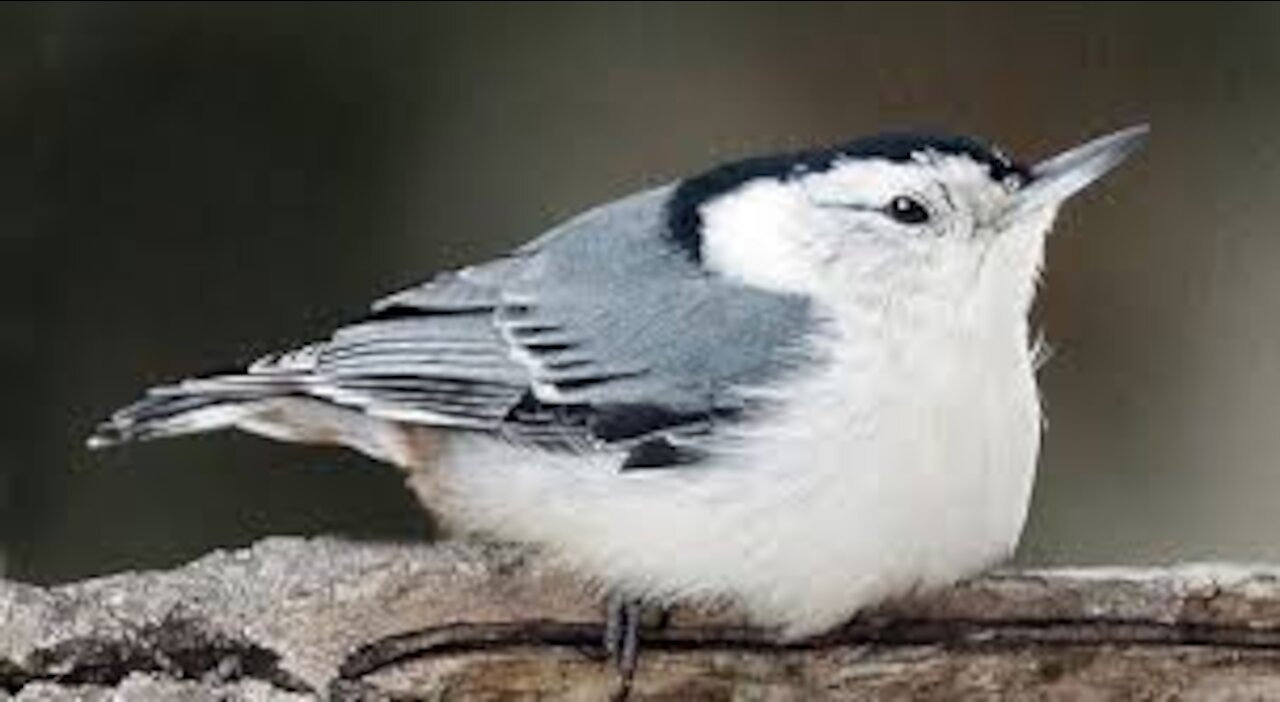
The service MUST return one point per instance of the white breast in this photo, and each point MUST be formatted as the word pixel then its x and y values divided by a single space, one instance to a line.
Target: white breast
pixel 894 467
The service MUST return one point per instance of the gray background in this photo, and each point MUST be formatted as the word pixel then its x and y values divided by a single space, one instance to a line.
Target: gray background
pixel 183 186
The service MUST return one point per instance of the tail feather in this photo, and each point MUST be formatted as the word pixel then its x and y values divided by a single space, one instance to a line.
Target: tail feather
pixel 276 397
pixel 173 411
pixel 209 403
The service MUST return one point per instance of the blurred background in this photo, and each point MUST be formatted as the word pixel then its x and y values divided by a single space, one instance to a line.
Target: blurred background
pixel 183 186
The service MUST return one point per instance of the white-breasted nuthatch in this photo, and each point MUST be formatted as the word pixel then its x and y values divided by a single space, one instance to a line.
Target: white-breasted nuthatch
pixel 800 383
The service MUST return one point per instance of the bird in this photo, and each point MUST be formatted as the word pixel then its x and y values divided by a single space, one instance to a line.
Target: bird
pixel 799 383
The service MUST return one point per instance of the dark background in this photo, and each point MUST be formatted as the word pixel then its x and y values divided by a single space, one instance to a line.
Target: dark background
pixel 187 185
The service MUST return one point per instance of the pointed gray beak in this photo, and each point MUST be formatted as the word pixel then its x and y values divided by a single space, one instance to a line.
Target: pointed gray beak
pixel 1056 179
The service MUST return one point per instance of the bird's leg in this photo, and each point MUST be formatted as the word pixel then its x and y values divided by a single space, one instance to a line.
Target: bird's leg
pixel 622 637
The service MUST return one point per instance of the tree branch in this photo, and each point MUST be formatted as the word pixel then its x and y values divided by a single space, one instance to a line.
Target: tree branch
pixel 304 619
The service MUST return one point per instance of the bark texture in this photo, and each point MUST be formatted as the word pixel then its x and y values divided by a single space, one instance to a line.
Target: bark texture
pixel 295 619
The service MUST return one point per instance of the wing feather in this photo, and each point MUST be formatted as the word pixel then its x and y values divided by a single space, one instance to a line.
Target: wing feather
pixel 601 333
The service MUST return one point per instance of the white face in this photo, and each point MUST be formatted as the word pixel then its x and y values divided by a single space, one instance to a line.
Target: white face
pixel 935 230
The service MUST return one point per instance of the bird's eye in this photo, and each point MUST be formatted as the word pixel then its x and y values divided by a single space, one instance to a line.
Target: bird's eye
pixel 907 210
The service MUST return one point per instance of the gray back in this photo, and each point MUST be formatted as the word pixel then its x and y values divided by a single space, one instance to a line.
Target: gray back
pixel 602 327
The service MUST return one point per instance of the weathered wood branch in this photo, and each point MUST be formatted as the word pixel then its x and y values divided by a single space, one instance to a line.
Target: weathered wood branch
pixel 293 619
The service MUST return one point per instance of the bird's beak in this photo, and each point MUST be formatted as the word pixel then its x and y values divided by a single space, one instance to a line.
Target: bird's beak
pixel 1056 179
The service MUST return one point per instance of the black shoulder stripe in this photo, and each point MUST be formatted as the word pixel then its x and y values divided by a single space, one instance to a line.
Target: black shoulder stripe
pixel 622 422
pixel 659 453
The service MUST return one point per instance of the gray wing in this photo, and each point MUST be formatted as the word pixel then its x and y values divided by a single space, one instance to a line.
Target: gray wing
pixel 601 332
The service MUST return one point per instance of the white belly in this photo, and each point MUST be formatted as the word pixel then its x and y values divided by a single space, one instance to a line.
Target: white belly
pixel 868 484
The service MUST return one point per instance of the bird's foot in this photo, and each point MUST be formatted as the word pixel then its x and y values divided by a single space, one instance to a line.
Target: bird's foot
pixel 622 639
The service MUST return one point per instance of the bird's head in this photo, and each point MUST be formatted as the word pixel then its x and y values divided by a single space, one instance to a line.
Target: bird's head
pixel 939 220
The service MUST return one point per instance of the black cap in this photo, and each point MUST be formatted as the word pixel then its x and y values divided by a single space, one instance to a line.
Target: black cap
pixel 684 220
